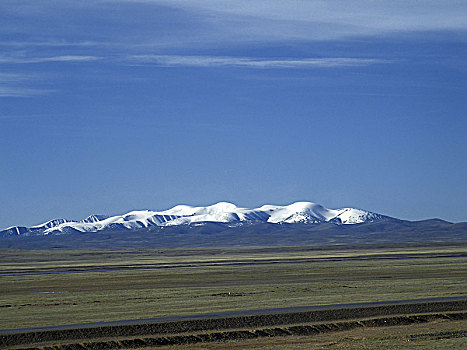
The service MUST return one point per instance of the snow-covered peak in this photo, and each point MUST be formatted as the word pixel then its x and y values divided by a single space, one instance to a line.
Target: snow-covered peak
pixel 349 216
pixel 303 212
pixel 138 215
pixel 186 210
pixel 51 223
pixel 268 207
pixel 95 218
pixel 222 206
pixel 182 210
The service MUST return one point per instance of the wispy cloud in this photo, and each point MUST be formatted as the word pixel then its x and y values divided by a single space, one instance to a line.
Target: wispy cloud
pixel 51 43
pixel 204 23
pixel 12 85
pixel 278 20
pixel 251 62
pixel 70 58
pixel 14 77
pixel 203 61
pixel 11 91
pixel 15 117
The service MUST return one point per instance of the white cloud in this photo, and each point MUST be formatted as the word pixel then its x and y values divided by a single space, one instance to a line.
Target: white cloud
pixel 13 77
pixel 70 58
pixel 11 85
pixel 52 43
pixel 250 62
pixel 11 91
pixel 310 20
pixel 200 61
pixel 214 23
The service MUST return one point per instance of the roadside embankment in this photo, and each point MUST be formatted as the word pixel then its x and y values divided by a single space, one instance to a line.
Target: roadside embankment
pixel 228 327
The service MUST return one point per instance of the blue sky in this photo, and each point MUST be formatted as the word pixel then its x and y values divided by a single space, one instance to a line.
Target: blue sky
pixel 110 106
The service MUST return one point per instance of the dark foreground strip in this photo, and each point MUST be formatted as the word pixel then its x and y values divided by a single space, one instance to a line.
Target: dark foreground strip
pixel 302 330
pixel 225 323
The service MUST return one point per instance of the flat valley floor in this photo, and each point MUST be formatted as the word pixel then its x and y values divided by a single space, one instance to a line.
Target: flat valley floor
pixel 58 287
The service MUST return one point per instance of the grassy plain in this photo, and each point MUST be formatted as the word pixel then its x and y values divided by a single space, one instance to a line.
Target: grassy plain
pixel 52 287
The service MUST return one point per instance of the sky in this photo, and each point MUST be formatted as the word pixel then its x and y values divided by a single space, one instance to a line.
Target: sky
pixel 108 106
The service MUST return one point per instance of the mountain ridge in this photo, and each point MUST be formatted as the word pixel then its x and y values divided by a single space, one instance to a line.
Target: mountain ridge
pixel 221 212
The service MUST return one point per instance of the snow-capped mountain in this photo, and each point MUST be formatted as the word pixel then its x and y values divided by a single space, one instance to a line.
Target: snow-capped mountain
pixel 222 212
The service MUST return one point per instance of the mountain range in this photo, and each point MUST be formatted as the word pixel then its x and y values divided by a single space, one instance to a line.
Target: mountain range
pixel 224 224
pixel 222 212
